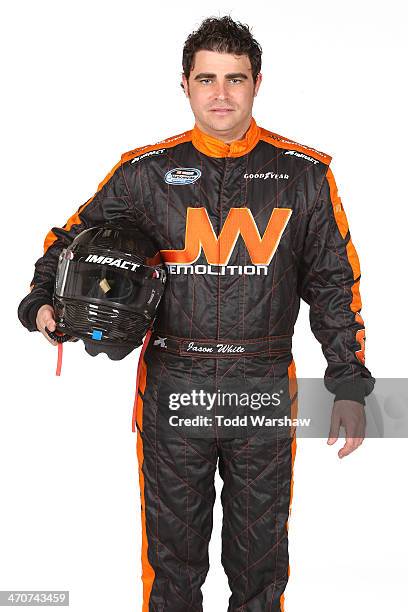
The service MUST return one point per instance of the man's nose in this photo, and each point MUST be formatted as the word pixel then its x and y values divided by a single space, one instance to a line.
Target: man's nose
pixel 221 91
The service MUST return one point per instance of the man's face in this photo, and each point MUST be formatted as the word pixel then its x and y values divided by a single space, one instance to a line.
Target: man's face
pixel 221 92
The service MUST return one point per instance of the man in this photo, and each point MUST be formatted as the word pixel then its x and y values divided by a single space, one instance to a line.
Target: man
pixel 248 222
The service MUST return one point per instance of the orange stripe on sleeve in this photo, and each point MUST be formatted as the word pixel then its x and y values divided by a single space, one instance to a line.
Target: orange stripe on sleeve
pixel 356 301
pixel 353 259
pixel 342 224
pixel 339 212
pixel 75 218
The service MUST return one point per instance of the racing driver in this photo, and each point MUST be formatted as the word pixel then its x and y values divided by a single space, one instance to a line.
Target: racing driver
pixel 247 222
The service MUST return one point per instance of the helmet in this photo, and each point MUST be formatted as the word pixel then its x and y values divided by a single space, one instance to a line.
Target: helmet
pixel 108 285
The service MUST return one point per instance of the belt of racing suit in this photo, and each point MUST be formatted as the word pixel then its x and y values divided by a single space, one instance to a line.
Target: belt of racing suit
pixel 220 348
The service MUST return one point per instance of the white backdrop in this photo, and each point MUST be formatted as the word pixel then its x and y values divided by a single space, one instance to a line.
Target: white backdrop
pixel 85 81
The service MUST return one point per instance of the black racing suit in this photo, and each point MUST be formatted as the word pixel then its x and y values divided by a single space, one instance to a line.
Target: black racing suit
pixel 246 229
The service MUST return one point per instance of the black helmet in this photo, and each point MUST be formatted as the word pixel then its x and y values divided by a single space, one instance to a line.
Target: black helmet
pixel 108 285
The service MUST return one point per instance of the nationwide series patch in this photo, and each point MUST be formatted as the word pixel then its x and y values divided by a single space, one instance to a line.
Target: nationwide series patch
pixel 182 176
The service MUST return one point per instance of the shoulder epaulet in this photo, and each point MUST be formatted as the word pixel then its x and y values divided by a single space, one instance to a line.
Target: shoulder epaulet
pixel 159 146
pixel 293 147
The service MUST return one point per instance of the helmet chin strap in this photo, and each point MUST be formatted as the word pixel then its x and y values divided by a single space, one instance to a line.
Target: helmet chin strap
pixel 60 338
pixel 59 360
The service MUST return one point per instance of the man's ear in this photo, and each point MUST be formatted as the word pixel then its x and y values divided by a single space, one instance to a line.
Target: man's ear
pixel 257 83
pixel 184 85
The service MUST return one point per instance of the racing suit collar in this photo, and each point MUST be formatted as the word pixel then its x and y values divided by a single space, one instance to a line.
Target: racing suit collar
pixel 211 146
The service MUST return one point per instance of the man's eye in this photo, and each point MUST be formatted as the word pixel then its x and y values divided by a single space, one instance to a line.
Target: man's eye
pixel 237 80
pixel 205 80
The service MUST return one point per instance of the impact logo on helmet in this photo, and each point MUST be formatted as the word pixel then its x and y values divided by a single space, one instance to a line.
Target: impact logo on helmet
pixel 200 236
pixel 182 176
pixel 110 261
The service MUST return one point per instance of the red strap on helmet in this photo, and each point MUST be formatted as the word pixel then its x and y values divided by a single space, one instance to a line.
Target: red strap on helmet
pixel 59 359
pixel 144 346
pixel 60 338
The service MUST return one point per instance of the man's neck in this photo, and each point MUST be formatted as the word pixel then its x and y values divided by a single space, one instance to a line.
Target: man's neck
pixel 227 136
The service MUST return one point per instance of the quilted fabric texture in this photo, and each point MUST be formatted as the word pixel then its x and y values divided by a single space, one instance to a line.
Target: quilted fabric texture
pixel 246 231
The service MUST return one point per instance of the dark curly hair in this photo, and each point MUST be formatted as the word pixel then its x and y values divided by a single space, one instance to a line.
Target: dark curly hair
pixel 224 35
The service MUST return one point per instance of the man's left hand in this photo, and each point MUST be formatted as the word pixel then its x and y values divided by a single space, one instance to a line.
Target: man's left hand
pixel 351 416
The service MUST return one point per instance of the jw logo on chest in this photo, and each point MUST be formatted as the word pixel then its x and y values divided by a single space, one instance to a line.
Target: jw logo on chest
pixel 201 237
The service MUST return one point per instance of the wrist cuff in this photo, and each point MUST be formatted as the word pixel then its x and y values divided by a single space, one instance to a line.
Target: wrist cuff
pixel 351 391
pixel 28 309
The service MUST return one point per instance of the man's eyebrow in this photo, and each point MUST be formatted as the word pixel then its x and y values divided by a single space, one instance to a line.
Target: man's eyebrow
pixel 211 75
pixel 236 75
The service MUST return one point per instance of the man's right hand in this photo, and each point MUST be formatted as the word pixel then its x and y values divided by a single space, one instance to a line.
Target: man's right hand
pixel 46 318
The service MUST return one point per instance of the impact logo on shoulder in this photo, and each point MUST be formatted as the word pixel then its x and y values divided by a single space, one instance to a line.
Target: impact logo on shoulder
pixel 148 154
pixel 303 156
pixel 182 176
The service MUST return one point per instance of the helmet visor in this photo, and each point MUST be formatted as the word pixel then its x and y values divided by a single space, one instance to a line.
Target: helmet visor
pixel 135 287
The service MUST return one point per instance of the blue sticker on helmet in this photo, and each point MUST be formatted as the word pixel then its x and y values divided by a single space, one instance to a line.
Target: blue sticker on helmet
pixel 96 334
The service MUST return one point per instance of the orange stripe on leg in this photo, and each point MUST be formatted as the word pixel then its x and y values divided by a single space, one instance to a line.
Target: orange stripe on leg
pixel 148 573
pixel 294 410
